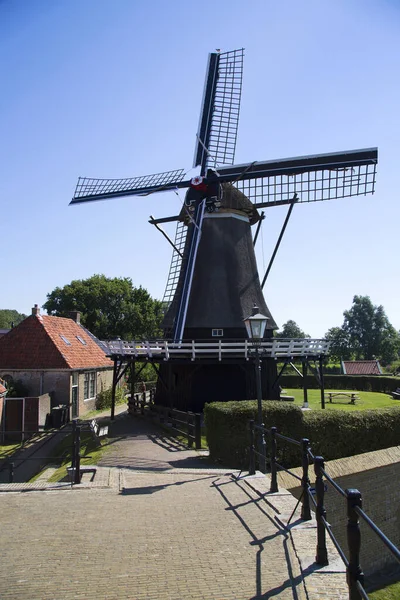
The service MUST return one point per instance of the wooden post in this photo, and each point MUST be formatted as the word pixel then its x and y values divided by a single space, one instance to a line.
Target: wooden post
pixel 114 385
pixel 252 465
pixel 321 375
pixel 197 431
pixel 354 571
pixel 322 554
pixel 305 482
pixel 274 478
pixel 305 391
pixel 132 386
pixel 74 424
pixel 11 472
pixel 77 473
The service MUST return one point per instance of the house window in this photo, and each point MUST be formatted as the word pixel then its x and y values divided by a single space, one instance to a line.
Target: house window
pixel 89 385
pixel 82 341
pixel 65 340
pixel 217 332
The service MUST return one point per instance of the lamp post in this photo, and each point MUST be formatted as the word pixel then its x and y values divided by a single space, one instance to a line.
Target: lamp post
pixel 255 326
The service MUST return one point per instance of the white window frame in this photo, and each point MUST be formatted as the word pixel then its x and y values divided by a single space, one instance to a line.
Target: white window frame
pixel 217 333
pixel 89 385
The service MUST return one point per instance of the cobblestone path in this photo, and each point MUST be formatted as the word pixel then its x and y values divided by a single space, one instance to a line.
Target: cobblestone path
pixel 149 530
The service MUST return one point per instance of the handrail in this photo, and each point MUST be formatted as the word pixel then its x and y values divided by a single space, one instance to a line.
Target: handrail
pixel 355 576
pixel 198 349
pixel 190 420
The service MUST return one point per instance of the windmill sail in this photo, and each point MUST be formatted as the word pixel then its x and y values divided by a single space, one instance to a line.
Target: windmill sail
pixel 219 116
pixel 89 189
pixel 312 178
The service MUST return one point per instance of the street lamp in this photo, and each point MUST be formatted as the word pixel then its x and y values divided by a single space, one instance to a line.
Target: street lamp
pixel 255 326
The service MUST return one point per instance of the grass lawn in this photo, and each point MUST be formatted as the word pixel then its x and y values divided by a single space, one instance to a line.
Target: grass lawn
pixel 391 592
pixel 8 449
pixel 367 401
pixel 91 452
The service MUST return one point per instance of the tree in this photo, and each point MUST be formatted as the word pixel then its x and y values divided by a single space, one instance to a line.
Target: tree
pixel 9 318
pixel 366 333
pixel 291 330
pixel 110 307
pixel 340 348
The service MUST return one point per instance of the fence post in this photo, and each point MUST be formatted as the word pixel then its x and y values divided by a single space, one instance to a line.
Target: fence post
pixel 354 571
pixel 11 472
pixel 322 554
pixel 252 465
pixel 74 423
pixel 305 482
pixel 274 479
pixel 77 472
pixel 190 428
pixel 197 431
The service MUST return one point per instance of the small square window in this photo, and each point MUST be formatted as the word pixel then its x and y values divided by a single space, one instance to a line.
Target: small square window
pixel 82 341
pixel 217 332
pixel 65 340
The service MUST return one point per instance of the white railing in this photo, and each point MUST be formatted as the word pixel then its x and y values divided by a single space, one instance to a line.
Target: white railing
pixel 195 350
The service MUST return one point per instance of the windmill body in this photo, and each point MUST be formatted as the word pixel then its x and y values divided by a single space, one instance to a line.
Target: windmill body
pixel 213 281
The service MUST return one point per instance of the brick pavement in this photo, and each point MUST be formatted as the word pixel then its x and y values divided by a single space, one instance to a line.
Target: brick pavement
pixel 150 530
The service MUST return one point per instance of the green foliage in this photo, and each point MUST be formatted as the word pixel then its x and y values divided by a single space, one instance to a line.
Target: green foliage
pixel 367 383
pixel 110 307
pixel 227 426
pixel 291 330
pixel 340 344
pixel 333 434
pixel 103 399
pixel 8 318
pixel 366 333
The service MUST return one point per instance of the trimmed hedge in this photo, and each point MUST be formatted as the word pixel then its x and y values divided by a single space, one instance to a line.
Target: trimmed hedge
pixel 332 434
pixel 362 383
pixel 228 436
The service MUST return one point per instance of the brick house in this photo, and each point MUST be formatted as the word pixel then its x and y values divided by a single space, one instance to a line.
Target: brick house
pixel 58 356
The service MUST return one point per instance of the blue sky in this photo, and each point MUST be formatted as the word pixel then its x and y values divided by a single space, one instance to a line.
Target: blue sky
pixel 107 88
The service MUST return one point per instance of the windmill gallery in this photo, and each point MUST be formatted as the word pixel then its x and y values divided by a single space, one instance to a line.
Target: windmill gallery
pixel 213 284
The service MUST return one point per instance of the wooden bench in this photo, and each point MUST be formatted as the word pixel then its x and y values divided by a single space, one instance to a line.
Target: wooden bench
pixel 285 398
pixel 396 394
pixel 97 429
pixel 352 396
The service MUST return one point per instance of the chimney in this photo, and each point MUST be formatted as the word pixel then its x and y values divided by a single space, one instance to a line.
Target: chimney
pixel 75 315
pixel 36 311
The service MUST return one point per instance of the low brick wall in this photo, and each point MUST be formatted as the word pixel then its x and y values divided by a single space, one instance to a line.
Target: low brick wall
pixel 376 476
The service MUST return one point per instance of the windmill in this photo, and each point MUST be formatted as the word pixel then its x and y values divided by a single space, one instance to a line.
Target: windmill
pixel 213 280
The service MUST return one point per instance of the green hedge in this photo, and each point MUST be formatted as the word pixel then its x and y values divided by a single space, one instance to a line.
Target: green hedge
pixel 362 383
pixel 227 426
pixel 333 434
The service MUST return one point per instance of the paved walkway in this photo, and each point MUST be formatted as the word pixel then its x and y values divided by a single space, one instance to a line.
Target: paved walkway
pixel 158 523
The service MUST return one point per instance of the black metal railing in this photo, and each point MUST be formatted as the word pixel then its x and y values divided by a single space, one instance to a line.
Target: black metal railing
pixel 184 423
pixel 354 573
pixel 10 462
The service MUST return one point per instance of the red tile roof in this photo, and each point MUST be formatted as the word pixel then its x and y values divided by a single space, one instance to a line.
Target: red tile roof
pixel 361 367
pixel 36 343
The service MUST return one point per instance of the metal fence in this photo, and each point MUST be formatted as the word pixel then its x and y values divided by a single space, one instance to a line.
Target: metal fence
pixel 10 463
pixel 352 497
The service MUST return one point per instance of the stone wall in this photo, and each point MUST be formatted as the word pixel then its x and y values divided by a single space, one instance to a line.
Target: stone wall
pixel 376 476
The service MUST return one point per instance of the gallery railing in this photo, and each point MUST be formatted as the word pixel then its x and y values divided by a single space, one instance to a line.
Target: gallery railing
pixel 355 576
